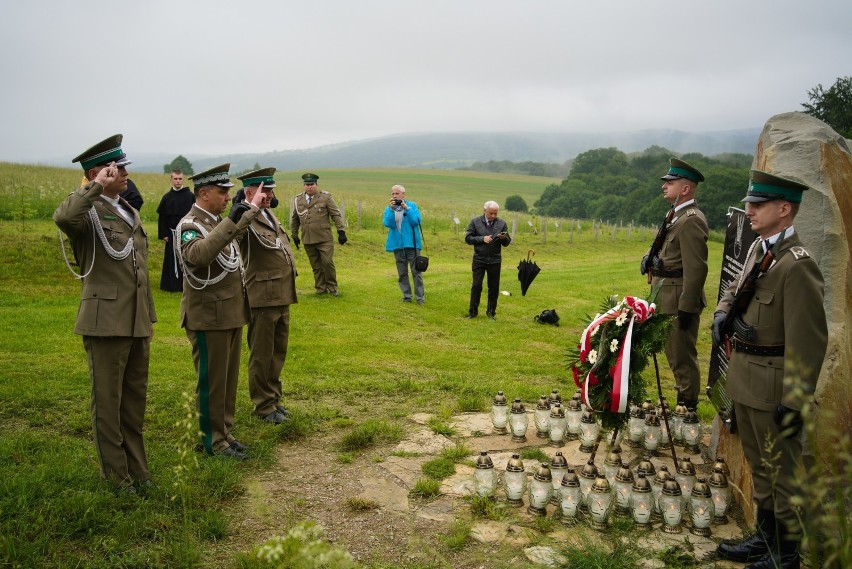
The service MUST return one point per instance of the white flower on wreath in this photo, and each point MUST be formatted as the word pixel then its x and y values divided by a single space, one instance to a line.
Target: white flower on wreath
pixel 613 346
pixel 593 356
pixel 622 318
pixel 594 330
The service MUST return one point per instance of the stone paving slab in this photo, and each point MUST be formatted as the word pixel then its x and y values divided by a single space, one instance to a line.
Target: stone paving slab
pixel 423 441
pixel 384 492
pixel 442 509
pixel 407 470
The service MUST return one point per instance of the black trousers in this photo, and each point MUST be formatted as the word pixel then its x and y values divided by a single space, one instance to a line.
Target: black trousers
pixel 479 272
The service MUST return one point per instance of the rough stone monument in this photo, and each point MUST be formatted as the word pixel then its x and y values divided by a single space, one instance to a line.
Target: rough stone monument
pixel 803 148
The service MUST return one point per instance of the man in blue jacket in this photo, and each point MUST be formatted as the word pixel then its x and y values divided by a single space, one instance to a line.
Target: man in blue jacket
pixel 402 218
pixel 488 234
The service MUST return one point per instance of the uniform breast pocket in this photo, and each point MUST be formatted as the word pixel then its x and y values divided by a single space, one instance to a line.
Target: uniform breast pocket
pixel 98 308
pixel 764 310
pixel 271 281
pixel 215 305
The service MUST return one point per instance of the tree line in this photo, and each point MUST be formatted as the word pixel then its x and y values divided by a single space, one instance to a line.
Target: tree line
pixel 606 183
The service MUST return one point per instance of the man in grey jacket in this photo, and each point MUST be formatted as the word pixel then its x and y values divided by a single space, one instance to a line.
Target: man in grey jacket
pixel 488 234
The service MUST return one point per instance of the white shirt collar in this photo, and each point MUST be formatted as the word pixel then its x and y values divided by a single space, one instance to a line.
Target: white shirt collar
pixel 770 241
pixel 680 206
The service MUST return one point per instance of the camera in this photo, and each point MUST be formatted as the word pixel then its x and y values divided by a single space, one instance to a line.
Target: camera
pixel 397 201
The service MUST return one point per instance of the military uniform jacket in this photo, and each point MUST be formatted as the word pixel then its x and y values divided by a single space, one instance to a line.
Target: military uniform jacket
pixel 486 253
pixel 786 309
pixel 116 298
pixel 685 249
pixel 313 217
pixel 270 269
pixel 219 306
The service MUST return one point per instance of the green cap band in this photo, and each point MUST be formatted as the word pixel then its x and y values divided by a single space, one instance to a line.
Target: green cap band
pixel 265 180
pixel 775 192
pixel 102 158
pixel 683 173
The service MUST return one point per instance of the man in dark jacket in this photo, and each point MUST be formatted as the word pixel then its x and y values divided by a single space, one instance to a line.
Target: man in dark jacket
pixel 488 234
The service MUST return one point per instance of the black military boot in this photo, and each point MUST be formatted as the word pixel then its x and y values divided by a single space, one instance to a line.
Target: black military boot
pixel 786 556
pixel 757 545
pixel 691 404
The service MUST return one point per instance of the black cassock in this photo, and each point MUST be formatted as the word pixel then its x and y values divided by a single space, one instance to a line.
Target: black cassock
pixel 172 208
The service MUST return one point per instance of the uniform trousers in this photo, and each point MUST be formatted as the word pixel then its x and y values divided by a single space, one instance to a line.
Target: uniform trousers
pixel 268 333
pixel 773 470
pixel 321 256
pixel 404 261
pixel 682 356
pixel 216 354
pixel 479 272
pixel 118 368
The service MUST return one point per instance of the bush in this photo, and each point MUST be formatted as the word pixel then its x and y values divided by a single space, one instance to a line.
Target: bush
pixel 516 203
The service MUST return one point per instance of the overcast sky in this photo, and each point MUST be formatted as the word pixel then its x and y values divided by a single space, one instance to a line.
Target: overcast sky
pixel 216 76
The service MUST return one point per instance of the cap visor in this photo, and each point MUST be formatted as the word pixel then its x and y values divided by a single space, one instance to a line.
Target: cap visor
pixel 671 177
pixel 224 184
pixel 755 199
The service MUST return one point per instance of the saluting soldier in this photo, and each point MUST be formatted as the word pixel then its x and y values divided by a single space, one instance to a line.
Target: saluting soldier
pixel 214 307
pixel 116 312
pixel 271 283
pixel 311 211
pixel 771 372
pixel 681 264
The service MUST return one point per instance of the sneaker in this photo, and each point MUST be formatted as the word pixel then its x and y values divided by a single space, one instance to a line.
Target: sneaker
pixel 276 417
pixel 231 452
pixel 421 301
pixel 406 300
pixel 334 293
pixel 281 409
pixel 469 316
pixel 238 446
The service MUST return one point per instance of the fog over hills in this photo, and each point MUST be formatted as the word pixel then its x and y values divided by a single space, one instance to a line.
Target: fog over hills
pixel 454 150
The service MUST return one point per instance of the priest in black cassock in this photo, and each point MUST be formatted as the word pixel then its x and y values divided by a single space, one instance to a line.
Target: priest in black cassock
pixel 175 204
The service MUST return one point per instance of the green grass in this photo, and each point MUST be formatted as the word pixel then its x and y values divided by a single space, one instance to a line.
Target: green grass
pixel 357 365
pixel 426 488
pixel 439 468
pixel 371 432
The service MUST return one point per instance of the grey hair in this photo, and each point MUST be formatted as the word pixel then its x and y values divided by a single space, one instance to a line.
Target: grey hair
pixel 489 204
pixel 399 187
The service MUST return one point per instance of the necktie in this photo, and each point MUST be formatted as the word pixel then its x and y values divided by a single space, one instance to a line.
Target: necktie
pixel 308 198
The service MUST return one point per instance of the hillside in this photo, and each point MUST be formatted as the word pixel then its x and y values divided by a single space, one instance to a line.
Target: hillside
pixel 453 150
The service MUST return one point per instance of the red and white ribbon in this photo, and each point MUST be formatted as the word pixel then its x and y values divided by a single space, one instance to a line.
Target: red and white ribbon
pixel 641 310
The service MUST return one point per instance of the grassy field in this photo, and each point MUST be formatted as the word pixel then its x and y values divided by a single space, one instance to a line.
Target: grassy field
pixel 362 356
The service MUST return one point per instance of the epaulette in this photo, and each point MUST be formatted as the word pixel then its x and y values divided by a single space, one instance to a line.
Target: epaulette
pixel 800 253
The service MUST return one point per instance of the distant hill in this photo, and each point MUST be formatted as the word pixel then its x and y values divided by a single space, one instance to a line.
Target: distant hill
pixel 454 150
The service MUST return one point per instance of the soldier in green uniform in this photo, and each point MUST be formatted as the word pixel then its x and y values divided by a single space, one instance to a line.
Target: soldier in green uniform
pixel 116 313
pixel 777 352
pixel 311 211
pixel 681 264
pixel 214 307
pixel 271 283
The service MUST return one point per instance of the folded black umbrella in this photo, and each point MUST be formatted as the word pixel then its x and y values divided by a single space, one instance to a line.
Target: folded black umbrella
pixel 527 270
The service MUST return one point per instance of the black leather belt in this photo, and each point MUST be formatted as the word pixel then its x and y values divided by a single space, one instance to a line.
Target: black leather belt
pixel 746 348
pixel 669 274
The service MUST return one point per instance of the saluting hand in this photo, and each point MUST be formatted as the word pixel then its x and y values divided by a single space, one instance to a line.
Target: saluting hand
pixel 107 175
pixel 258 197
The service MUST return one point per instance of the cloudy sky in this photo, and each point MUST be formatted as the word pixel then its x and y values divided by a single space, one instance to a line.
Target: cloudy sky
pixel 216 76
